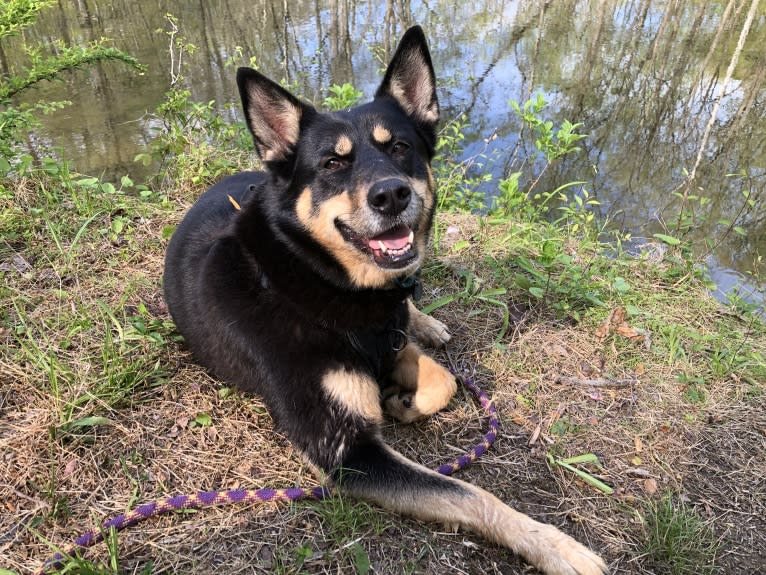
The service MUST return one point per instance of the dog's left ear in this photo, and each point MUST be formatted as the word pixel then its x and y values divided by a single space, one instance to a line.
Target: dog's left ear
pixel 410 80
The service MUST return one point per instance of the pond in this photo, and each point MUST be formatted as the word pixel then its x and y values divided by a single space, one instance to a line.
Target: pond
pixel 662 88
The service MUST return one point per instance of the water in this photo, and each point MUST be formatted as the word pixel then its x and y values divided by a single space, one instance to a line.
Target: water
pixel 642 76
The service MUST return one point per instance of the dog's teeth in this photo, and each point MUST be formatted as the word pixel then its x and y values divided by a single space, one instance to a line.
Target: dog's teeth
pixel 411 238
pixel 383 247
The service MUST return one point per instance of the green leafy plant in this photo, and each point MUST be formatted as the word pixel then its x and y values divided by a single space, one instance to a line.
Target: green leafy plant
pixel 341 97
pixel 473 292
pixel 187 143
pixel 193 143
pixel 576 211
pixel 458 180
pixel 18 119
pixel 556 277
pixel 570 463
pixel 552 143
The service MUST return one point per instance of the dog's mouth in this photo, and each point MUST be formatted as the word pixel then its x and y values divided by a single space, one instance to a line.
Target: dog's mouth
pixel 394 248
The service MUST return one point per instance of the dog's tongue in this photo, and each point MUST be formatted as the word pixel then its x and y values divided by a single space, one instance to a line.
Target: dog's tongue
pixel 394 239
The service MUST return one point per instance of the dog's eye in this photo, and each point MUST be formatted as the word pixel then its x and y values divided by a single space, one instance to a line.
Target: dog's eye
pixel 335 164
pixel 399 148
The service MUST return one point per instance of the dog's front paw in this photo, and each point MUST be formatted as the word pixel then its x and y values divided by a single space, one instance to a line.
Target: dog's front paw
pixel 435 387
pixel 426 329
pixel 431 332
pixel 562 555
pixel 399 404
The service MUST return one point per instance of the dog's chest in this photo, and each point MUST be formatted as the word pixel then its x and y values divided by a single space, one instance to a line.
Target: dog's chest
pixel 376 348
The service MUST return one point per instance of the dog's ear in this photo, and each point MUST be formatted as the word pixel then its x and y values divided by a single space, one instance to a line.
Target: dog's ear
pixel 273 115
pixel 410 79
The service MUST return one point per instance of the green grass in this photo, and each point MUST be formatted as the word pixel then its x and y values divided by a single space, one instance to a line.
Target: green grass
pixel 678 541
pixel 77 565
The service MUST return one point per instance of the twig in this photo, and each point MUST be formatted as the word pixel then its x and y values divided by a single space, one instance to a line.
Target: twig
pixel 597 382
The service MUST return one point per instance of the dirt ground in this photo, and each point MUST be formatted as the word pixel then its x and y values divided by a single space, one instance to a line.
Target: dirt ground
pixel 52 488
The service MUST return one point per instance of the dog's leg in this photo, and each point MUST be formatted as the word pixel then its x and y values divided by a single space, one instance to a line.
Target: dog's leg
pixel 427 330
pixel 420 386
pixel 377 473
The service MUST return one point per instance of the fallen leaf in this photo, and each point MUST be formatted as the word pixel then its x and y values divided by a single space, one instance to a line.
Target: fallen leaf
pixel 650 486
pixel 616 323
pixel 631 333
pixel 557 350
pixel 639 445
pixel 535 434
pixel 70 467
pixel 606 327
pixel 636 461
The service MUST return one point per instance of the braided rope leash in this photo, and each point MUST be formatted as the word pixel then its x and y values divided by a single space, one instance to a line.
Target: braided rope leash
pixel 245 496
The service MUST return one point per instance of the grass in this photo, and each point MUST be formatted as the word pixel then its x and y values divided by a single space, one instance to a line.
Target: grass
pixel 102 407
pixel 678 541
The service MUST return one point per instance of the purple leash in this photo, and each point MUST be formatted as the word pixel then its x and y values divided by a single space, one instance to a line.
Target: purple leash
pixel 226 497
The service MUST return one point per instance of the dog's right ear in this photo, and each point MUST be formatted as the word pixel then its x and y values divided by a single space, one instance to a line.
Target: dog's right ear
pixel 410 80
pixel 272 113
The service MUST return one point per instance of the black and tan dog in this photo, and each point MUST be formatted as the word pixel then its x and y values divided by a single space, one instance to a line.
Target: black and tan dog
pixel 302 296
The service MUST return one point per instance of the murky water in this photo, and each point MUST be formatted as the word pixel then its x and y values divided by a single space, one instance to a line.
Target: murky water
pixel 643 76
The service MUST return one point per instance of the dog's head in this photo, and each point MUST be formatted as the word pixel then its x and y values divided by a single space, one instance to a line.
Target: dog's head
pixel 355 185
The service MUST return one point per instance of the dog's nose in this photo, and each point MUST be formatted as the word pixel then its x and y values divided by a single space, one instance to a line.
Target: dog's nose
pixel 389 197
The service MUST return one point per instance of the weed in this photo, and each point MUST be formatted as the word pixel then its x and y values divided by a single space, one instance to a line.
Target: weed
pixel 190 140
pixel 555 277
pixel 341 97
pixel 678 541
pixel 193 143
pixel 472 292
pixel 17 120
pixel 77 565
pixel 346 519
pixel 569 464
pixel 459 185
pixel 553 144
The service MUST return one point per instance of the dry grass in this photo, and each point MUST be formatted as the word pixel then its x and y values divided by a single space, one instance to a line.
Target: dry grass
pixel 56 479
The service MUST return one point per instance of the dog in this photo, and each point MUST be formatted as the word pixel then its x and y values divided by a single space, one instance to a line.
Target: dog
pixel 295 284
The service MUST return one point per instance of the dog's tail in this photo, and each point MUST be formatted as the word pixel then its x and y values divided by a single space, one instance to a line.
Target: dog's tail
pixel 377 473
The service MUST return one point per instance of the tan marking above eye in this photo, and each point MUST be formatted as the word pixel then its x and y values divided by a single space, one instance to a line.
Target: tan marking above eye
pixel 343 146
pixel 381 135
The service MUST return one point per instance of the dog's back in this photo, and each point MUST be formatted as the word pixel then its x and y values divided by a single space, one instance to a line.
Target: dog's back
pixel 208 220
pixel 207 227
